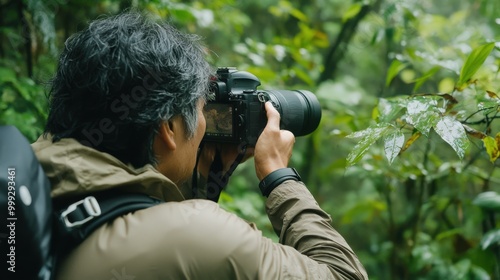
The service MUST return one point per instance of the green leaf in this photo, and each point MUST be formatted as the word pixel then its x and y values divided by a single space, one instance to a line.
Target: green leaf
pixel 393 144
pixel 353 11
pixel 388 109
pixel 472 64
pixel 492 237
pixel 7 75
pixel 488 106
pixel 422 114
pixel 394 69
pixel 420 81
pixel 370 135
pixel 182 13
pixel 488 200
pixel 298 14
pixel 453 133
pixel 462 267
pixel 449 233
pixel 8 96
pixel 479 273
pixel 27 90
pixel 491 147
pixel 366 132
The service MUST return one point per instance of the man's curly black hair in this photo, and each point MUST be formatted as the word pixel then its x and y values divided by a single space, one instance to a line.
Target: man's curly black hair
pixel 119 78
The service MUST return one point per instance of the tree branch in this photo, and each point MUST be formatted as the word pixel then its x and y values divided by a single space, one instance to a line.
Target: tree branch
pixel 26 34
pixel 336 52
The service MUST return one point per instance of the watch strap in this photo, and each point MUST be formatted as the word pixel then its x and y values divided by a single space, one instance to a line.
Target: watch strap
pixel 275 178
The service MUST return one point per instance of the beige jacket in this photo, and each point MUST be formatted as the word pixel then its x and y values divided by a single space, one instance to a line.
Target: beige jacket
pixel 195 238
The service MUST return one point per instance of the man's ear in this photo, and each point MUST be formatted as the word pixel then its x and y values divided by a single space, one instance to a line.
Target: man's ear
pixel 167 134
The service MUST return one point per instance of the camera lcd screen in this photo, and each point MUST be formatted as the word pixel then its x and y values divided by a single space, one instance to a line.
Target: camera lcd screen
pixel 219 118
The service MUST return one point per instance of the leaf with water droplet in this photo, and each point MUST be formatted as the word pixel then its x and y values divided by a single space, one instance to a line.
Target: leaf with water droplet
pixel 388 109
pixel 422 114
pixel 370 136
pixel 393 143
pixel 453 133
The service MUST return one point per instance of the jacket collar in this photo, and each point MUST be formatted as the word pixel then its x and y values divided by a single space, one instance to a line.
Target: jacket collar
pixel 74 170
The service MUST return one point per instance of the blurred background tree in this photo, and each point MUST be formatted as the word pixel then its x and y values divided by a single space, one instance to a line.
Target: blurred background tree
pixel 414 84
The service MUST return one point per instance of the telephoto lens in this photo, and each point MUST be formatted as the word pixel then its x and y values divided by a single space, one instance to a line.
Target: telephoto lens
pixel 299 109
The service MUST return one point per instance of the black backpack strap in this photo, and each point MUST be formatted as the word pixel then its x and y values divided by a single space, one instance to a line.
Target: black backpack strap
pixel 79 219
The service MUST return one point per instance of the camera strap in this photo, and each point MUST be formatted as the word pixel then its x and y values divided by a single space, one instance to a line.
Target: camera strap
pixel 194 179
pixel 217 180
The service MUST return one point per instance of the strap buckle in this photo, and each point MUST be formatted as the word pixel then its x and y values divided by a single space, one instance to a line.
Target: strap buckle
pixel 90 205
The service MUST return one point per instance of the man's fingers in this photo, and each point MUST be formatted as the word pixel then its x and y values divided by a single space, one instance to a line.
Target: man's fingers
pixel 288 136
pixel 273 116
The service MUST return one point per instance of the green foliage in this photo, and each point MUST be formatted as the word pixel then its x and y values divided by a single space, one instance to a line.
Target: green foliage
pixel 472 64
pixel 488 200
pixel 490 238
pixel 369 135
pixel 490 203
pixel 21 103
pixel 492 146
pixel 459 107
pixel 434 111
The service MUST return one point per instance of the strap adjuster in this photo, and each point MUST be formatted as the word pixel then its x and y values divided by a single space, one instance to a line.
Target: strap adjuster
pixel 90 205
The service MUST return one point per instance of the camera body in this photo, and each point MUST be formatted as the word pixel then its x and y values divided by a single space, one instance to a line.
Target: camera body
pixel 235 110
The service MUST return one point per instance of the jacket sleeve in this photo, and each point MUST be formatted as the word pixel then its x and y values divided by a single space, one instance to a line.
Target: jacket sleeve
pixel 320 252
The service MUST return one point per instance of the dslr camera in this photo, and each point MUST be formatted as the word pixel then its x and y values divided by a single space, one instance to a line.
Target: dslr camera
pixel 235 110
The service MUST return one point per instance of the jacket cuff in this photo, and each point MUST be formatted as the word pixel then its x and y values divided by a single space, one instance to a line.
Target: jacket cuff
pixel 286 202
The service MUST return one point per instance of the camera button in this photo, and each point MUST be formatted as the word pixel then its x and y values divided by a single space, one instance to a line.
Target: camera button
pixel 262 97
pixel 241 120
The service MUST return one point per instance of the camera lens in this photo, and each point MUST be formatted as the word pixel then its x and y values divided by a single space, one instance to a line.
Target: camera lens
pixel 299 109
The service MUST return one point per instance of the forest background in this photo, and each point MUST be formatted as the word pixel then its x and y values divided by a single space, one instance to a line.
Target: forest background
pixel 406 156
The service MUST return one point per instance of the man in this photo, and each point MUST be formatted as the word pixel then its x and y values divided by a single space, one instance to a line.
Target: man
pixel 126 116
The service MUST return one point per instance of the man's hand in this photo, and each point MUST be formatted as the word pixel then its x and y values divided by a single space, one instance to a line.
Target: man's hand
pixel 274 146
pixel 229 152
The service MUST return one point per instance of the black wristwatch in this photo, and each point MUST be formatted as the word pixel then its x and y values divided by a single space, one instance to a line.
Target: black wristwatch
pixel 275 178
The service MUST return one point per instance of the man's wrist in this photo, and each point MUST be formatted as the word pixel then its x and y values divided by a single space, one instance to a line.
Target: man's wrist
pixel 275 178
